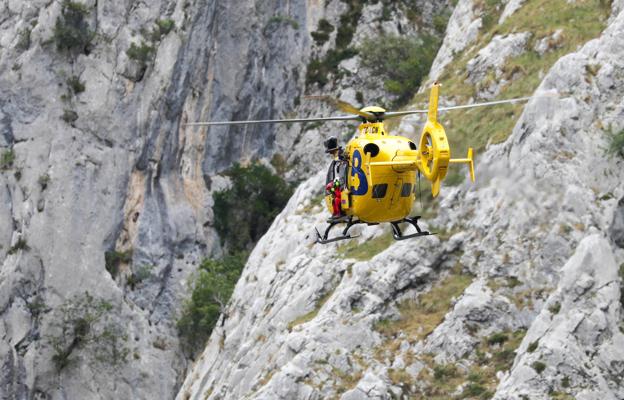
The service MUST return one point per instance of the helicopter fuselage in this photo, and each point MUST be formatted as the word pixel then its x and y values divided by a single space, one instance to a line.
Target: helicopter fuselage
pixel 375 192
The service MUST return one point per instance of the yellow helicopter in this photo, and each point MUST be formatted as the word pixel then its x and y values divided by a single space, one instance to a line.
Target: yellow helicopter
pixel 377 181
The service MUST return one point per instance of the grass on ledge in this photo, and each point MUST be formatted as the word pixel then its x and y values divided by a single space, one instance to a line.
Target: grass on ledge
pixel 367 250
pixel 421 316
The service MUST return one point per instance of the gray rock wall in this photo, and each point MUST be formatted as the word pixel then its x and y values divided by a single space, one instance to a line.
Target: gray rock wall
pixel 124 175
pixel 304 321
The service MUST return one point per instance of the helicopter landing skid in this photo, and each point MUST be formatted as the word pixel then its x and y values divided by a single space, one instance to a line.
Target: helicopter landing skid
pixel 398 234
pixel 324 239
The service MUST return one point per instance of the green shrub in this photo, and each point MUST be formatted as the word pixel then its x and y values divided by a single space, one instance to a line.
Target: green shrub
pixel 616 144
pixel 441 372
pixel 283 19
pixel 319 69
pixel 142 273
pixel 474 390
pixel 322 33
pixel 359 97
pixel 497 338
pixel 244 212
pixel 278 161
pixel 141 54
pixel 69 116
pixel 348 23
pixel 71 31
pixel 7 159
pixel 402 62
pixel 532 346
pixel 75 85
pixel 43 181
pixel 160 28
pixel 538 366
pixel 440 21
pixel 23 43
pixel 19 245
pixel 565 382
pixel 86 323
pixel 165 26
pixel 211 291
pixel 113 258
pixel 555 308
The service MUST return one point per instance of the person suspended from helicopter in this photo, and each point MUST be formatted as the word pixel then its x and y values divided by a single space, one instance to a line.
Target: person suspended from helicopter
pixel 336 175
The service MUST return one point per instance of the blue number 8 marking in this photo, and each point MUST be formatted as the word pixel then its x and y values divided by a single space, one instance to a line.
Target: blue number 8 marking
pixel 356 169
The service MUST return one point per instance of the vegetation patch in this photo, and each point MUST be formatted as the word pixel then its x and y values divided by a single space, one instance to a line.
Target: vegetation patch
pixel 20 245
pixel 86 323
pixel 44 181
pixel 23 42
pixel 538 366
pixel 242 214
pixel 280 19
pixel 161 28
pixel 616 144
pixel 421 316
pixel 211 289
pixel 320 69
pixel 497 338
pixel 278 161
pixel 245 211
pixel 402 62
pixel 321 35
pixel 142 53
pixel 312 314
pixel 442 381
pixel 400 377
pixel 532 346
pixel 346 381
pixel 71 31
pixel 580 22
pixel 367 250
pixel 69 116
pixel 136 277
pixel 555 308
pixel 75 84
pixel 7 159
pixel 113 259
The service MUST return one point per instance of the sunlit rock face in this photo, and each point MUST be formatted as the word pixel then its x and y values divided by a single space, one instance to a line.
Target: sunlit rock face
pixel 520 298
pixel 100 162
pixel 105 213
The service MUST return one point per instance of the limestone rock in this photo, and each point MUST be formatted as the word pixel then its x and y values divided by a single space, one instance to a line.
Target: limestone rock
pixel 493 56
pixel 578 341
pixel 461 31
pixel 617 226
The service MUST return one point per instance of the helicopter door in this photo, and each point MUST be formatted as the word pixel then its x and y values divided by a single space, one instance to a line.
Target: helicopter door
pixel 396 192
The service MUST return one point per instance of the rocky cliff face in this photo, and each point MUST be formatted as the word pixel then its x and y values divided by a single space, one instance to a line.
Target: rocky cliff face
pixel 103 192
pixel 105 196
pixel 519 296
pixel 105 211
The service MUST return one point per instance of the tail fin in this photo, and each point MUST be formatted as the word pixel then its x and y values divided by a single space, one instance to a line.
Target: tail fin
pixel 468 160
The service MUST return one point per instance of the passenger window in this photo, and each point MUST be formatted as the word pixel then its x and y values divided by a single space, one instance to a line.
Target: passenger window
pixel 379 191
pixel 406 190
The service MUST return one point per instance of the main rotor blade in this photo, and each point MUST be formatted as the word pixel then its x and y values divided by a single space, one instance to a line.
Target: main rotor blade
pixel 343 106
pixel 393 114
pixel 275 121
